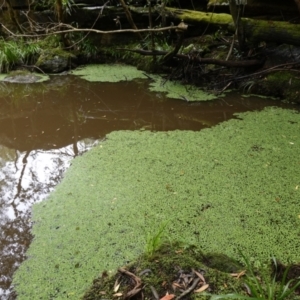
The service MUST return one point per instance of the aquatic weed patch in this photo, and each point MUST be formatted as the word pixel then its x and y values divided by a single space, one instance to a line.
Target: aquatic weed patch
pixel 117 72
pixel 233 186
pixel 177 90
pixel 108 73
pixel 23 77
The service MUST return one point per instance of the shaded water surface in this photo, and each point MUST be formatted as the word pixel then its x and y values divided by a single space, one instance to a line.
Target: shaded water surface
pixel 44 126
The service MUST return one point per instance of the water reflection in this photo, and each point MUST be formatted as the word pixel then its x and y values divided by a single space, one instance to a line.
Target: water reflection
pixel 25 178
pixel 44 126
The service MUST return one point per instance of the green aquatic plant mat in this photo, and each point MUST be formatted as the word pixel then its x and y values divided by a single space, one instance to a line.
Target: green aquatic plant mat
pixel 24 77
pixel 177 90
pixel 117 72
pixel 233 186
pixel 108 73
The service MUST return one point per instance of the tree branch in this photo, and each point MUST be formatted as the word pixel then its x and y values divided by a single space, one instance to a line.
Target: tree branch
pixel 129 18
pixel 74 29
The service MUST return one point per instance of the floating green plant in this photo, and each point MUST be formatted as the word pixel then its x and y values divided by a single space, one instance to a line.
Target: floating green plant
pixel 232 186
pixel 177 90
pixel 116 72
pixel 23 77
pixel 108 73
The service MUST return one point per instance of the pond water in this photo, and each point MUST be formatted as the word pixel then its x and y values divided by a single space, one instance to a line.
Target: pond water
pixel 43 126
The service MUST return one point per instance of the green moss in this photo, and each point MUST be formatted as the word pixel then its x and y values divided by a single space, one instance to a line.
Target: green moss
pixel 217 2
pixel 201 17
pixel 49 54
pixel 282 84
pixel 257 32
pixel 233 186
pixel 115 72
pixel 51 42
pixel 166 265
pixel 176 90
pixel 108 73
pixel 165 272
pixel 2 76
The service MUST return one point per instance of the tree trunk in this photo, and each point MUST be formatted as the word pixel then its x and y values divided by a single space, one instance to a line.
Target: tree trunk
pixel 235 11
pixel 13 15
pixel 129 17
pixel 58 5
pixel 255 31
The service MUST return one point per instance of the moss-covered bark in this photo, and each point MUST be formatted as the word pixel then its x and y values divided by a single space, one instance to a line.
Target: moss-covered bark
pixel 282 84
pixel 254 30
pixel 272 31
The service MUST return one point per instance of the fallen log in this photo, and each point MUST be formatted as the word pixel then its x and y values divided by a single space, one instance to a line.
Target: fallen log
pixel 255 31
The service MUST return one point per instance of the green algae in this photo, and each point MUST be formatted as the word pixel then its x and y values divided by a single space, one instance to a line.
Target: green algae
pixel 108 73
pixel 176 90
pixel 231 187
pixel 115 73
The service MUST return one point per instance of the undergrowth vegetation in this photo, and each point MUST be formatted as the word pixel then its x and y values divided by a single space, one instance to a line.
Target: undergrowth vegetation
pixel 176 271
pixel 18 52
pixel 261 285
pixel 155 240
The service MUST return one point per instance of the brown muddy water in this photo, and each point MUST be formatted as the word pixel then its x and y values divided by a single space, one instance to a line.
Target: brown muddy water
pixel 43 126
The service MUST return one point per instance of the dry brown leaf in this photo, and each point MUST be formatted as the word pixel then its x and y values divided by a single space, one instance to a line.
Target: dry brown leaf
pixel 203 288
pixel 238 275
pixel 200 276
pixel 242 273
pixel 168 297
pixel 116 287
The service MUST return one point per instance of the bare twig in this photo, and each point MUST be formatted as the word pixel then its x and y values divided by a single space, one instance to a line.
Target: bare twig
pixel 138 283
pixel 189 290
pixel 74 29
pixel 100 13
pixel 129 17
pixel 154 292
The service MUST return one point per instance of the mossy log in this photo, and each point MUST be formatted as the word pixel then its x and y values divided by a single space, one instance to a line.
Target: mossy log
pixel 255 30
pixel 273 9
